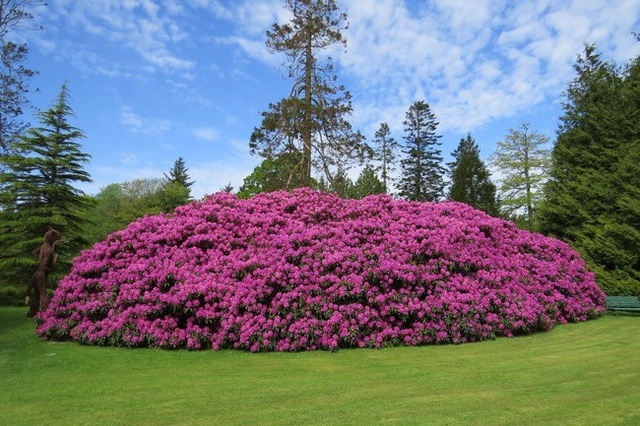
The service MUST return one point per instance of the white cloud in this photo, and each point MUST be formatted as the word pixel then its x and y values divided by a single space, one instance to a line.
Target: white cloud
pixel 473 62
pixel 205 133
pixel 128 159
pixel 147 29
pixel 138 124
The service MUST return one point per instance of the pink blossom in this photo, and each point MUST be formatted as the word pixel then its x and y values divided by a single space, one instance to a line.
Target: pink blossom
pixel 307 270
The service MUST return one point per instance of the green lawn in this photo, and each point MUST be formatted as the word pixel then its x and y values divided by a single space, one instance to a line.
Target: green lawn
pixel 586 373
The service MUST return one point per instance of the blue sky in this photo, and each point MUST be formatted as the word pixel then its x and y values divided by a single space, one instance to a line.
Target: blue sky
pixel 154 80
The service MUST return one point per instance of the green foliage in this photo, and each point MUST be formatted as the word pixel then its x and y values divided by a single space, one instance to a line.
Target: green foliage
pixel 177 187
pixel 37 193
pixel 385 151
pixel 470 182
pixel 593 195
pixel 12 296
pixel 173 195
pixel 14 75
pixel 341 184
pixel 590 377
pixel 367 183
pixel 422 171
pixel 179 174
pixel 119 204
pixel 311 121
pixel 273 174
pixel 522 161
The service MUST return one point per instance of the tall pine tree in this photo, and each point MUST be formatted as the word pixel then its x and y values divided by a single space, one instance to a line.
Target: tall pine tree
pixel 422 172
pixel 38 191
pixel 470 179
pixel 312 120
pixel 385 149
pixel 593 195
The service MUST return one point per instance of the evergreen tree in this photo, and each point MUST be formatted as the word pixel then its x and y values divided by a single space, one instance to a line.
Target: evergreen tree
pixel 385 151
pixel 470 182
pixel 367 183
pixel 177 186
pixel 178 174
pixel 342 185
pixel 38 192
pixel 228 188
pixel 422 171
pixel 14 75
pixel 522 162
pixel 593 195
pixel 311 121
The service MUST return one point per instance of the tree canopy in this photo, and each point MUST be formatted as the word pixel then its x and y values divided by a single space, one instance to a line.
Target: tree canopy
pixel 176 186
pixel 38 191
pixel 274 173
pixel 470 179
pixel 522 161
pixel 422 172
pixel 14 74
pixel 311 121
pixel 592 199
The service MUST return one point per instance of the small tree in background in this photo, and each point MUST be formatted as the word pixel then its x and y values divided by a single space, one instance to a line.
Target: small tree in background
pixel 228 188
pixel 422 171
pixel 367 183
pixel 342 185
pixel 522 161
pixel 385 151
pixel 470 182
pixel 119 204
pixel 38 192
pixel 177 186
pixel 273 174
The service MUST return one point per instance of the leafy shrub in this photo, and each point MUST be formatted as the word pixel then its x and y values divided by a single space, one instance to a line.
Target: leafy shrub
pixel 308 270
pixel 11 296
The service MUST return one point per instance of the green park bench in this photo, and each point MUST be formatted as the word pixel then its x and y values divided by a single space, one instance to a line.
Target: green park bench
pixel 623 303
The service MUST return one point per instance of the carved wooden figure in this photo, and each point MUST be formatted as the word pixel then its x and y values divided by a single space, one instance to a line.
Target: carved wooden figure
pixel 47 261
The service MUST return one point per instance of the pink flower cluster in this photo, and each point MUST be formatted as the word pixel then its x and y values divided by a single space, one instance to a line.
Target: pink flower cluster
pixel 308 270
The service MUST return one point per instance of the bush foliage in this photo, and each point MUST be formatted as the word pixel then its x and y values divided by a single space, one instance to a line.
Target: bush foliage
pixel 308 270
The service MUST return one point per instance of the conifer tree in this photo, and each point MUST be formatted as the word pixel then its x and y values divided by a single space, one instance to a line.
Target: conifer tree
pixel 38 192
pixel 176 186
pixel 385 151
pixel 470 180
pixel 311 121
pixel 367 183
pixel 592 199
pixel 342 185
pixel 178 174
pixel 422 172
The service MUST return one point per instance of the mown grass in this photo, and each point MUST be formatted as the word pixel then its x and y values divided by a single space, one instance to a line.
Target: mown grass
pixel 586 373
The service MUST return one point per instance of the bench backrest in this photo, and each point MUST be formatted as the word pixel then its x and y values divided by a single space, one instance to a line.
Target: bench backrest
pixel 623 301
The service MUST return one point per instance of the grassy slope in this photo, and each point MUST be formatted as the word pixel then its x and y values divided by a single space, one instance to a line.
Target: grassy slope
pixel 585 373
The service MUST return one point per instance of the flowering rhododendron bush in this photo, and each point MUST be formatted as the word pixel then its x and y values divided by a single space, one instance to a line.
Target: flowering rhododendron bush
pixel 308 270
